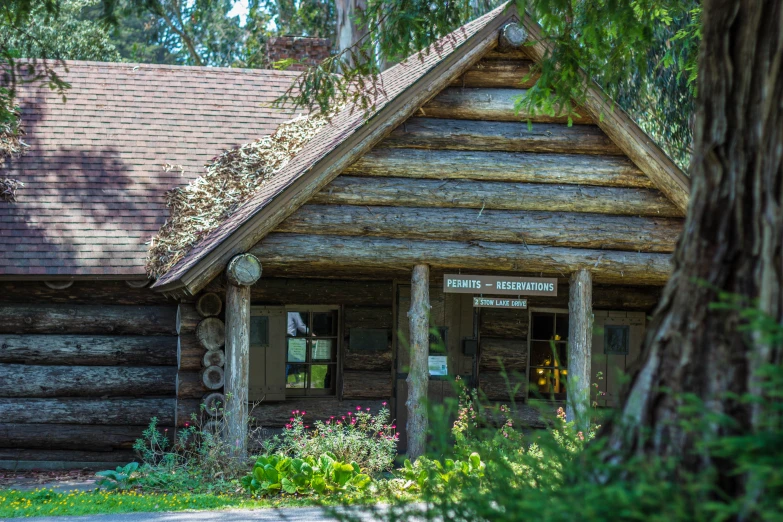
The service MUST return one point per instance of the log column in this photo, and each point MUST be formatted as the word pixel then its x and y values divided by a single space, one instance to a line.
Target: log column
pixel 243 271
pixel 580 337
pixel 418 374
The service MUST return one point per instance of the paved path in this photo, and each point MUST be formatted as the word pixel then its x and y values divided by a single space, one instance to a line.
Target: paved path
pixel 305 514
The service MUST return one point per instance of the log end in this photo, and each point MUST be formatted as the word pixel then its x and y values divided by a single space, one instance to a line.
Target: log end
pixel 512 37
pixel 243 270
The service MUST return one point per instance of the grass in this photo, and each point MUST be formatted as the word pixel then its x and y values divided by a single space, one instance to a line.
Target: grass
pixel 45 502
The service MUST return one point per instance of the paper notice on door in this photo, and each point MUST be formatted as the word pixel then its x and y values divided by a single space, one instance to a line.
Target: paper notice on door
pixel 439 364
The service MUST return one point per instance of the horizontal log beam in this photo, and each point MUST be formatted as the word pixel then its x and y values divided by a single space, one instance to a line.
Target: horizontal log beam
pixel 450 134
pixel 519 167
pixel 488 104
pixel 274 291
pixel 190 353
pixel 102 412
pixel 88 319
pixel 339 255
pixel 535 228
pixel 21 380
pixel 368 361
pixel 89 350
pixel 503 354
pixel 368 317
pixel 495 195
pixel 190 386
pixel 498 74
pixel 497 387
pixel 277 415
pixel 69 436
pixel 367 385
pixel 76 456
pixel 80 292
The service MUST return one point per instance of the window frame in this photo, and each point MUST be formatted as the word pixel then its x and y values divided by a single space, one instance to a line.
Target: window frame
pixel 307 393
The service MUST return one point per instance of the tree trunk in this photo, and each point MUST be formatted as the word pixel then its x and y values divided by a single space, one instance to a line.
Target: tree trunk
pixel 349 32
pixel 733 243
pixel 418 374
pixel 580 347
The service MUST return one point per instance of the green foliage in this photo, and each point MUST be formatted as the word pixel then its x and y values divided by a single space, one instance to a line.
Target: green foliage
pixel 122 478
pixel 358 436
pixel 433 475
pixel 274 474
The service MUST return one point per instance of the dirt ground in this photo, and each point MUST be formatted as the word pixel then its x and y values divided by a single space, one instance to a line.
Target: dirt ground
pixel 59 480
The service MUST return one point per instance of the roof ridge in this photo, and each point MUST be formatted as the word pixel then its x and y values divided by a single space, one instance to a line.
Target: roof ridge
pixel 205 68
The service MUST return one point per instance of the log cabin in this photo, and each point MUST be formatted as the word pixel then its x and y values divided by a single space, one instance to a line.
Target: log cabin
pixel 438 235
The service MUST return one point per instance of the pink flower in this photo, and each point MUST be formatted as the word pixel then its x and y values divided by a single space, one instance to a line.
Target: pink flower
pixel 293 412
pixel 580 435
pixel 393 426
pixel 328 422
pixel 187 424
pixel 338 422
pixel 307 426
pixel 383 403
pixel 344 416
pixel 304 413
pixel 358 408
pixel 291 419
pixel 368 409
pixel 332 417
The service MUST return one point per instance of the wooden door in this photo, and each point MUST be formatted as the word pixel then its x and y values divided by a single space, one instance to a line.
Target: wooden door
pixel 451 314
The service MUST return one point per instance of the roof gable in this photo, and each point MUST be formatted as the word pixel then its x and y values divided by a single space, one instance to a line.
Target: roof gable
pixel 350 137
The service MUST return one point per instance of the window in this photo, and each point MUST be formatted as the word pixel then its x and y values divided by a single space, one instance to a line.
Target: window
pixel 548 357
pixel 311 352
pixel 293 352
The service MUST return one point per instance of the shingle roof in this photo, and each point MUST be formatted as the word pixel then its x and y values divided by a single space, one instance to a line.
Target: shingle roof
pixel 94 178
pixel 396 80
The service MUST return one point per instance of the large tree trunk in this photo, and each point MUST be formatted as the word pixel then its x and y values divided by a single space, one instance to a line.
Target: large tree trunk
pixel 733 242
pixel 418 373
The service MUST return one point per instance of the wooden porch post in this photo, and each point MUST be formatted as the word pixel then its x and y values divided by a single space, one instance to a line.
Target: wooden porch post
pixel 580 345
pixel 243 270
pixel 418 374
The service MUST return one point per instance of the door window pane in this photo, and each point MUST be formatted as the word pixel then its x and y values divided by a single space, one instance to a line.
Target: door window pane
pixel 325 323
pixel 298 324
pixel 323 350
pixel 259 330
pixel 321 376
pixel 543 326
pixel 541 354
pixel 561 331
pixel 296 350
pixel 296 376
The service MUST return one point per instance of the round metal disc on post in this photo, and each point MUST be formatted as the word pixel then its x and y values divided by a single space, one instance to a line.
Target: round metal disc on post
pixel 243 270
pixel 512 37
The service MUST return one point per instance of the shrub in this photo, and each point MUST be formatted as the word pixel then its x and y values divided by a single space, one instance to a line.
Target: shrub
pixel 358 436
pixel 122 478
pixel 304 476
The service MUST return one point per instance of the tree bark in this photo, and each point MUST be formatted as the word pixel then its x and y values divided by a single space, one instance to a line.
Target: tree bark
pixel 508 136
pixel 418 373
pixel 493 195
pixel 349 31
pixel 733 243
pixel 211 333
pixel 209 304
pixel 518 167
pixel 580 347
pixel 212 377
pixel 570 229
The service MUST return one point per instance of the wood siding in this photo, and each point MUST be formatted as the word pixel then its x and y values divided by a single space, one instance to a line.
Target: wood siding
pixel 466 183
pixel 84 369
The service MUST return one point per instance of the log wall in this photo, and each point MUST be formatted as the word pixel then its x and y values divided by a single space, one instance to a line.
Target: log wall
pixel 366 373
pixel 467 184
pixel 83 370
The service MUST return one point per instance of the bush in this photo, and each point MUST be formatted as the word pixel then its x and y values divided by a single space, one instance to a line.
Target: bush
pixel 304 476
pixel 359 436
